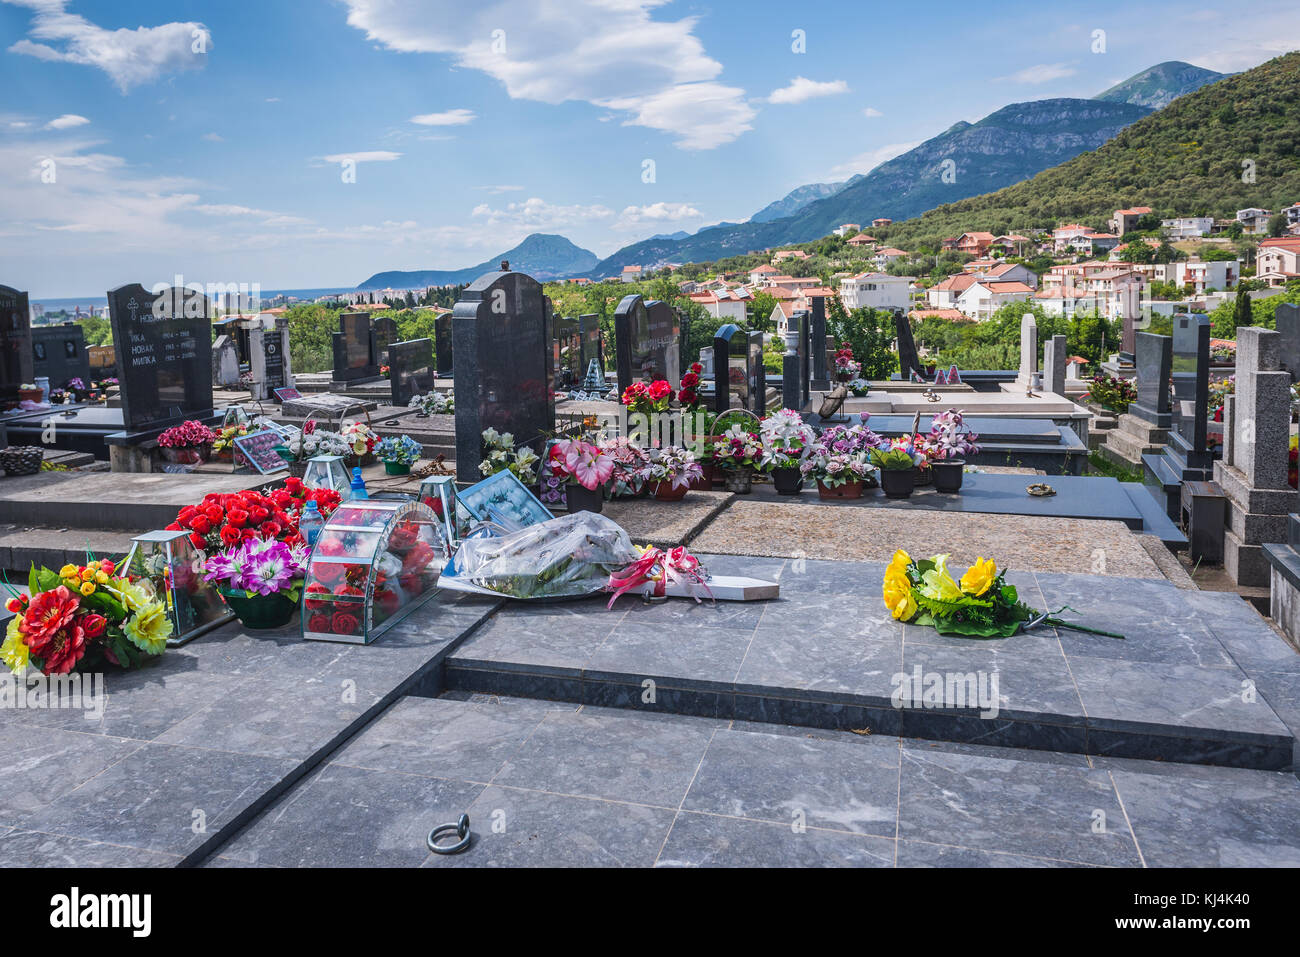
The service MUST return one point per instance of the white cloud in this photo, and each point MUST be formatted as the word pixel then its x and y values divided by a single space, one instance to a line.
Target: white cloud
pixel 657 213
pixel 872 112
pixel 371 156
pixel 214 137
pixel 866 162
pixel 129 57
pixel 534 214
pixel 801 89
pixel 1039 73
pixel 610 53
pixel 66 122
pixel 449 118
pixel 497 190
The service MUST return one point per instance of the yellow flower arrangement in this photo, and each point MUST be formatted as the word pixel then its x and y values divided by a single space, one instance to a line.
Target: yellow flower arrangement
pixel 149 629
pixel 14 652
pixel 979 577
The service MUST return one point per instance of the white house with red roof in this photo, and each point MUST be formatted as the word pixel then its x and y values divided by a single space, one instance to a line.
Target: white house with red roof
pixel 760 273
pixel 984 297
pixel 876 290
pixel 631 274
pixel 944 295
pixel 1124 220
pixel 1278 260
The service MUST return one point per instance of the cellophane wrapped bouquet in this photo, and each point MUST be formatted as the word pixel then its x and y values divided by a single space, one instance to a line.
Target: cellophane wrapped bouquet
pixel 566 557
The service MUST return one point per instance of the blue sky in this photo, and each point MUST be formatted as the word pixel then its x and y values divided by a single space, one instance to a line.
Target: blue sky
pixel 207 137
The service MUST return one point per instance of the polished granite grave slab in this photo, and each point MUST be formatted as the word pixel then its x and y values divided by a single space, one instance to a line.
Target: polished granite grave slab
pixel 549 784
pixel 827 654
pixel 185 751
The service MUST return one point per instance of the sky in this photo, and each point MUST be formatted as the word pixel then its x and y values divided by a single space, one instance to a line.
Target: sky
pixel 312 143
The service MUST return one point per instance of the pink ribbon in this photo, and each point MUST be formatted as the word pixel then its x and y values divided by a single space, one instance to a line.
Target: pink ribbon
pixel 655 565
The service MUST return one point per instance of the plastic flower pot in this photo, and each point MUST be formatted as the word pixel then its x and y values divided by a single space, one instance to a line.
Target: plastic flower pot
pixel 897 483
pixel 922 476
pixel 261 612
pixel 665 492
pixel 397 468
pixel 788 481
pixel 739 480
pixel 582 499
pixel 947 475
pixel 847 490
pixel 713 474
pixel 702 484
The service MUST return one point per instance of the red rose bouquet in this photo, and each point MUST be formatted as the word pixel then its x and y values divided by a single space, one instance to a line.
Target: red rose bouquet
pixel 223 521
pixel 647 399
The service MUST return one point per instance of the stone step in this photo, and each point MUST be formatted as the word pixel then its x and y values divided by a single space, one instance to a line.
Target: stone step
pixel 21 547
pixel 112 501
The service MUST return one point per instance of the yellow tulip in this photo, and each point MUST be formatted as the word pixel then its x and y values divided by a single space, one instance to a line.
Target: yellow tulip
pixel 69 571
pixel 979 577
pixel 88 588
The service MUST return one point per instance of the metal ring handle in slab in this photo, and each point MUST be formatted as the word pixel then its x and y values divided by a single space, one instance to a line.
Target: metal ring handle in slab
pixel 460 829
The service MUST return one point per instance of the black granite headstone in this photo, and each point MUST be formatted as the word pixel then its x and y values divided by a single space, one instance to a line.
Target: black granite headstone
pixel 59 353
pixel 1191 380
pixel 820 373
pixel 1154 360
pixel 15 343
pixel 757 376
pixel 730 367
pixel 410 369
pixel 566 349
pixel 442 345
pixel 354 349
pixel 504 371
pixel 908 360
pixel 1288 323
pixel 803 352
pixel 273 346
pixel 646 339
pixel 593 343
pixel 385 328
pixel 163 343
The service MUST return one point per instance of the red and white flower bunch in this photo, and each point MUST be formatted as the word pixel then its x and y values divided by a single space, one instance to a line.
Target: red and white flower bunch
pixel 845 365
pixel 737 448
pixel 786 439
pixel 647 399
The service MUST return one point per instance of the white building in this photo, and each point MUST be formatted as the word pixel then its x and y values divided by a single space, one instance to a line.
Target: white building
pixel 876 290
pixel 1188 227
pixel 1253 220
pixel 986 296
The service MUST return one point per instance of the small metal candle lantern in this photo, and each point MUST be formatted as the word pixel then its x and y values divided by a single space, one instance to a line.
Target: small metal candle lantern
pixel 328 471
pixel 175 567
pixel 236 416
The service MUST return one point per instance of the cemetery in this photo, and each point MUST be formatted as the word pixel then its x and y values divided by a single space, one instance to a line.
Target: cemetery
pixel 647 607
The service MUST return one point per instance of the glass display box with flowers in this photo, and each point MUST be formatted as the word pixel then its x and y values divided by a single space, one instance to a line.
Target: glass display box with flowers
pixel 170 561
pixel 189 443
pixel 374 563
pixel 328 471
pixel 399 453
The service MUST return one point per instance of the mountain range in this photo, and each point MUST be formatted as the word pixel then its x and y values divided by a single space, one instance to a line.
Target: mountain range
pixel 1006 147
pixel 542 255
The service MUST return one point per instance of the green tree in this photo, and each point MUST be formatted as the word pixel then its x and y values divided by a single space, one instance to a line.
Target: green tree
pixel 870 333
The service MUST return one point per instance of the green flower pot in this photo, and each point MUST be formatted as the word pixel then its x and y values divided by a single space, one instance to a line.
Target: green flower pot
pixel 261 612
pixel 397 468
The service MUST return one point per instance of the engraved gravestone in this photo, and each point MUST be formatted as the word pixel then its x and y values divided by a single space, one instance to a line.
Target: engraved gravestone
pixel 647 342
pixel 1054 355
pixel 1154 359
pixel 442 345
pixel 820 370
pixel 908 360
pixel 1028 350
pixel 1287 324
pixel 505 377
pixel 567 354
pixel 59 354
pixel 354 349
pixel 593 345
pixel 225 363
pixel 731 368
pixel 411 369
pixel 385 328
pixel 164 355
pixel 1190 371
pixel 15 343
pixel 757 376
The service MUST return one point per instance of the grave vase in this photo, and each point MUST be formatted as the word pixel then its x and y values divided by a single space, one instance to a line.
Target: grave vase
pixel 261 612
pixel 948 475
pixel 664 491
pixel 582 499
pixel 897 483
pixel 788 481
pixel 847 490
pixel 739 480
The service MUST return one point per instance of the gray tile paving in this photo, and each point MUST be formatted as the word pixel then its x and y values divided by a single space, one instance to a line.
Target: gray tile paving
pixel 19 848
pixel 706 840
pixel 37 769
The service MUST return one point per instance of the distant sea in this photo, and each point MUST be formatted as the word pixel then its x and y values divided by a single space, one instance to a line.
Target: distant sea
pixel 88 302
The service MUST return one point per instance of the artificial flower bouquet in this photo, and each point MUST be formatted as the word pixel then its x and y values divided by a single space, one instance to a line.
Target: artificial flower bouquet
pixel 949 439
pixel 313 441
pixel 648 398
pixel 402 450
pixel 223 447
pixel 82 616
pixel 223 521
pixel 737 448
pixel 836 469
pixel 786 440
pixel 259 566
pixel 360 439
pixel 846 368
pixel 981 605
pixel 852 438
pixel 689 394
pixel 671 471
pixel 573 461
pixel 500 455
pixel 434 403
pixel 1112 392
pixel 187 435
pixel 906 452
pixel 630 461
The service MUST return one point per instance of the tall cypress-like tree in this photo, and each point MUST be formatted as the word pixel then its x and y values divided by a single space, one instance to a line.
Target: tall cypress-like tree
pixel 1242 314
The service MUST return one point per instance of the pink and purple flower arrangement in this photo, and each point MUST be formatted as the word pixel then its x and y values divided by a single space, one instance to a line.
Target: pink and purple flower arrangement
pixel 260 567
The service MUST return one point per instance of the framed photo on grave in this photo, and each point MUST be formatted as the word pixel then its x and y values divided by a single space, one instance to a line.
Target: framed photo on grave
pixel 504 501
pixel 287 395
pixel 257 451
